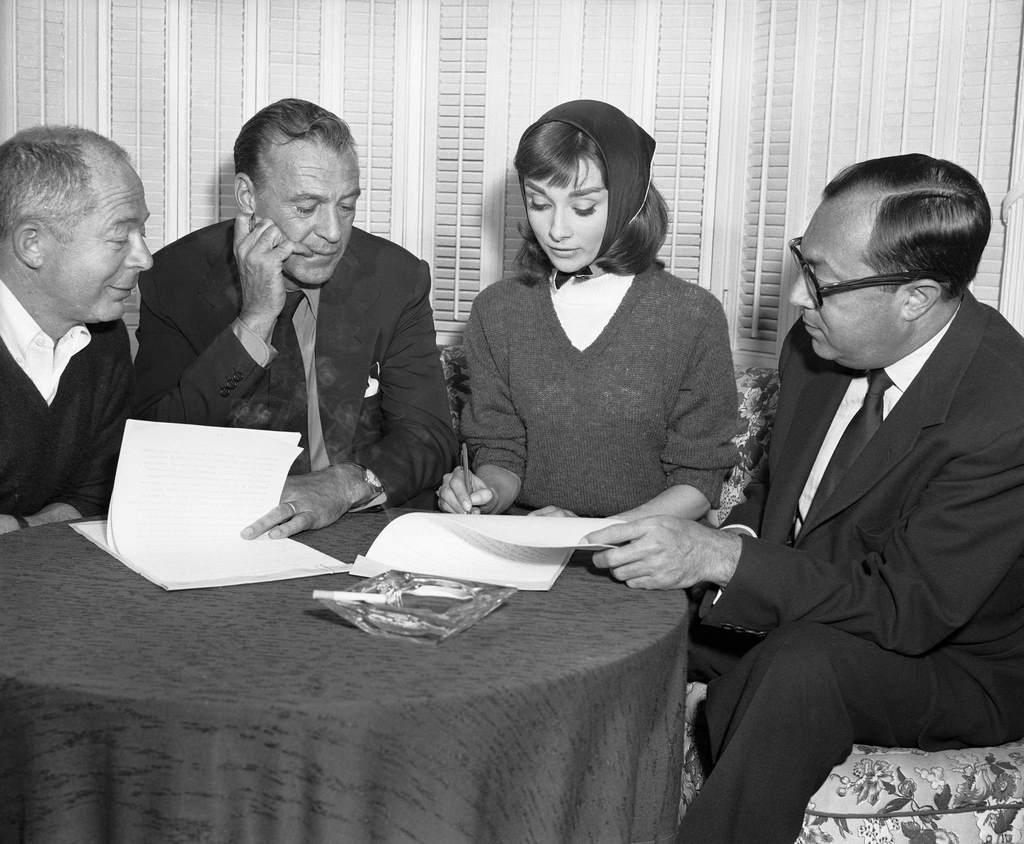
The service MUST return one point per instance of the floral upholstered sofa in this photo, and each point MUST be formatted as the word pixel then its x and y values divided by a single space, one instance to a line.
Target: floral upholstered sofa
pixel 878 795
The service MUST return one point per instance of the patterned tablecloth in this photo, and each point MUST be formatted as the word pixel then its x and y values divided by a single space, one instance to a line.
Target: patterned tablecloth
pixel 251 714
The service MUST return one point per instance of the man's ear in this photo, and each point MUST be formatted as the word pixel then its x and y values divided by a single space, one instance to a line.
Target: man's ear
pixel 245 194
pixel 30 241
pixel 919 297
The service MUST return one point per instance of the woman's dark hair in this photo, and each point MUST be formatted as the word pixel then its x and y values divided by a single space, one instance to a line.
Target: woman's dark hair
pixel 932 216
pixel 554 152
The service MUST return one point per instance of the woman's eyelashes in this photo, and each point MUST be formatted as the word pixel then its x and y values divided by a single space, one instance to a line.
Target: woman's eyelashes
pixel 580 211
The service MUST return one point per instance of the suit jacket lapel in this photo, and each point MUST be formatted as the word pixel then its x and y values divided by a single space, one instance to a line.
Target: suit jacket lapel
pixel 797 447
pixel 926 403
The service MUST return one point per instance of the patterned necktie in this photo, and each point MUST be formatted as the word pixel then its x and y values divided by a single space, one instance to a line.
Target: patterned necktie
pixel 561 278
pixel 287 381
pixel 857 434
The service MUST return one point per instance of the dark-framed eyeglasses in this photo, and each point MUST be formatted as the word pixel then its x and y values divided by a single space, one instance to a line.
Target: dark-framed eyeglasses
pixel 819 291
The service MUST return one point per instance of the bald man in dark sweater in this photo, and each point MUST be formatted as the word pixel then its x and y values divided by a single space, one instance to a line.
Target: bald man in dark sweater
pixel 71 248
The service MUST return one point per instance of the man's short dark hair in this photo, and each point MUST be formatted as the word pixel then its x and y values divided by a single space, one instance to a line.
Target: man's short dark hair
pixel 932 216
pixel 285 121
pixel 44 176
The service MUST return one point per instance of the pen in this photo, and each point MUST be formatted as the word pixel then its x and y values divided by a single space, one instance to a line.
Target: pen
pixel 465 475
pixel 364 597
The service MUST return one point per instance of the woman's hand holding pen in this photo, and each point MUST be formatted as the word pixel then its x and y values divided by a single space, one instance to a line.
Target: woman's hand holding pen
pixel 463 492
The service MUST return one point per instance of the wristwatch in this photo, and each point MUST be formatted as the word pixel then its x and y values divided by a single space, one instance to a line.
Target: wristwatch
pixel 372 481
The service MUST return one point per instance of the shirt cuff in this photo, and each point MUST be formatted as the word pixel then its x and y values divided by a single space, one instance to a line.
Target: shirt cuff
pixel 259 351
pixel 378 500
pixel 749 531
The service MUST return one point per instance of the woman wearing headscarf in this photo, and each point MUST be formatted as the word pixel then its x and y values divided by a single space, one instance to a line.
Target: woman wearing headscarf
pixel 600 384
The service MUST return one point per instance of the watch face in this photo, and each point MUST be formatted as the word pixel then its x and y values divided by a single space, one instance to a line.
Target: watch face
pixel 372 480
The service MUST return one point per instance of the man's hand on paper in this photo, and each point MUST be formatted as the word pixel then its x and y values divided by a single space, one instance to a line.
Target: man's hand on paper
pixel 261 249
pixel 313 501
pixel 552 510
pixel 664 552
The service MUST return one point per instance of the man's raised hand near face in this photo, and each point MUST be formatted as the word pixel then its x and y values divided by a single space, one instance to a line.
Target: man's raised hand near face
pixel 261 249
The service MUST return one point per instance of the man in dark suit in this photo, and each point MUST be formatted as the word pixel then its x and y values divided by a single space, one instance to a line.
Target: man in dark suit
pixel 872 592
pixel 289 318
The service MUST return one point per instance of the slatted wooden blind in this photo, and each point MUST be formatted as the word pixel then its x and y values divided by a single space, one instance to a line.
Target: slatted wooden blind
pixel 754 106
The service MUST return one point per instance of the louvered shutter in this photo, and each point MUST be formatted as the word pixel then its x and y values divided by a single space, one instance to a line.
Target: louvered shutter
pixel 214 104
pixel 462 69
pixel 137 108
pixel 362 92
pixel 681 129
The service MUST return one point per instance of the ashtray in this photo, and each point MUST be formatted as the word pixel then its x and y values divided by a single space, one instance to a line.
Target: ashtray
pixel 403 605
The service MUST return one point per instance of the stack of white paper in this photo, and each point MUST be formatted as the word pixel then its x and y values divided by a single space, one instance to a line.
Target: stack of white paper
pixel 528 552
pixel 182 495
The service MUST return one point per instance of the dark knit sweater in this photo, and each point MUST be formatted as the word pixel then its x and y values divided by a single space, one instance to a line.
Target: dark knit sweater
pixel 649 404
pixel 65 452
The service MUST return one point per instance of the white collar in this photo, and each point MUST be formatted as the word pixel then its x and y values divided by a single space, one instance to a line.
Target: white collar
pixel 906 369
pixel 18 329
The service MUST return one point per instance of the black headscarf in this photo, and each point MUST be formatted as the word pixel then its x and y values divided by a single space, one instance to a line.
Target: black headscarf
pixel 627 151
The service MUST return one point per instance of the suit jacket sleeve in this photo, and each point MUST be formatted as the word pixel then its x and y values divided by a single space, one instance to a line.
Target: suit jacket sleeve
pixel 418 444
pixel 190 366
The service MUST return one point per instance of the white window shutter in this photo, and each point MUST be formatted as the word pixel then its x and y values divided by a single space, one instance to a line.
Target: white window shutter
pixel 680 128
pixel 137 108
pixel 462 82
pixel 763 234
pixel 213 110
pixel 362 92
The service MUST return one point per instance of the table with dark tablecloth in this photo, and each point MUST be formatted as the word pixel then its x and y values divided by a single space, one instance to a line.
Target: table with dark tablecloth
pixel 252 714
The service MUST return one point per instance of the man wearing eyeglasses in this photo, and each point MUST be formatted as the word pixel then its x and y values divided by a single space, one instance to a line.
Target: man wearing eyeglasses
pixel 871 588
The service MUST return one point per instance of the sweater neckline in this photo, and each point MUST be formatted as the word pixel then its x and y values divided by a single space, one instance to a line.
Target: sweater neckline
pixel 608 333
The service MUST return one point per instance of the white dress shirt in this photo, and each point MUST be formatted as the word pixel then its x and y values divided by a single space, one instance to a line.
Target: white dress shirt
pixel 42 360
